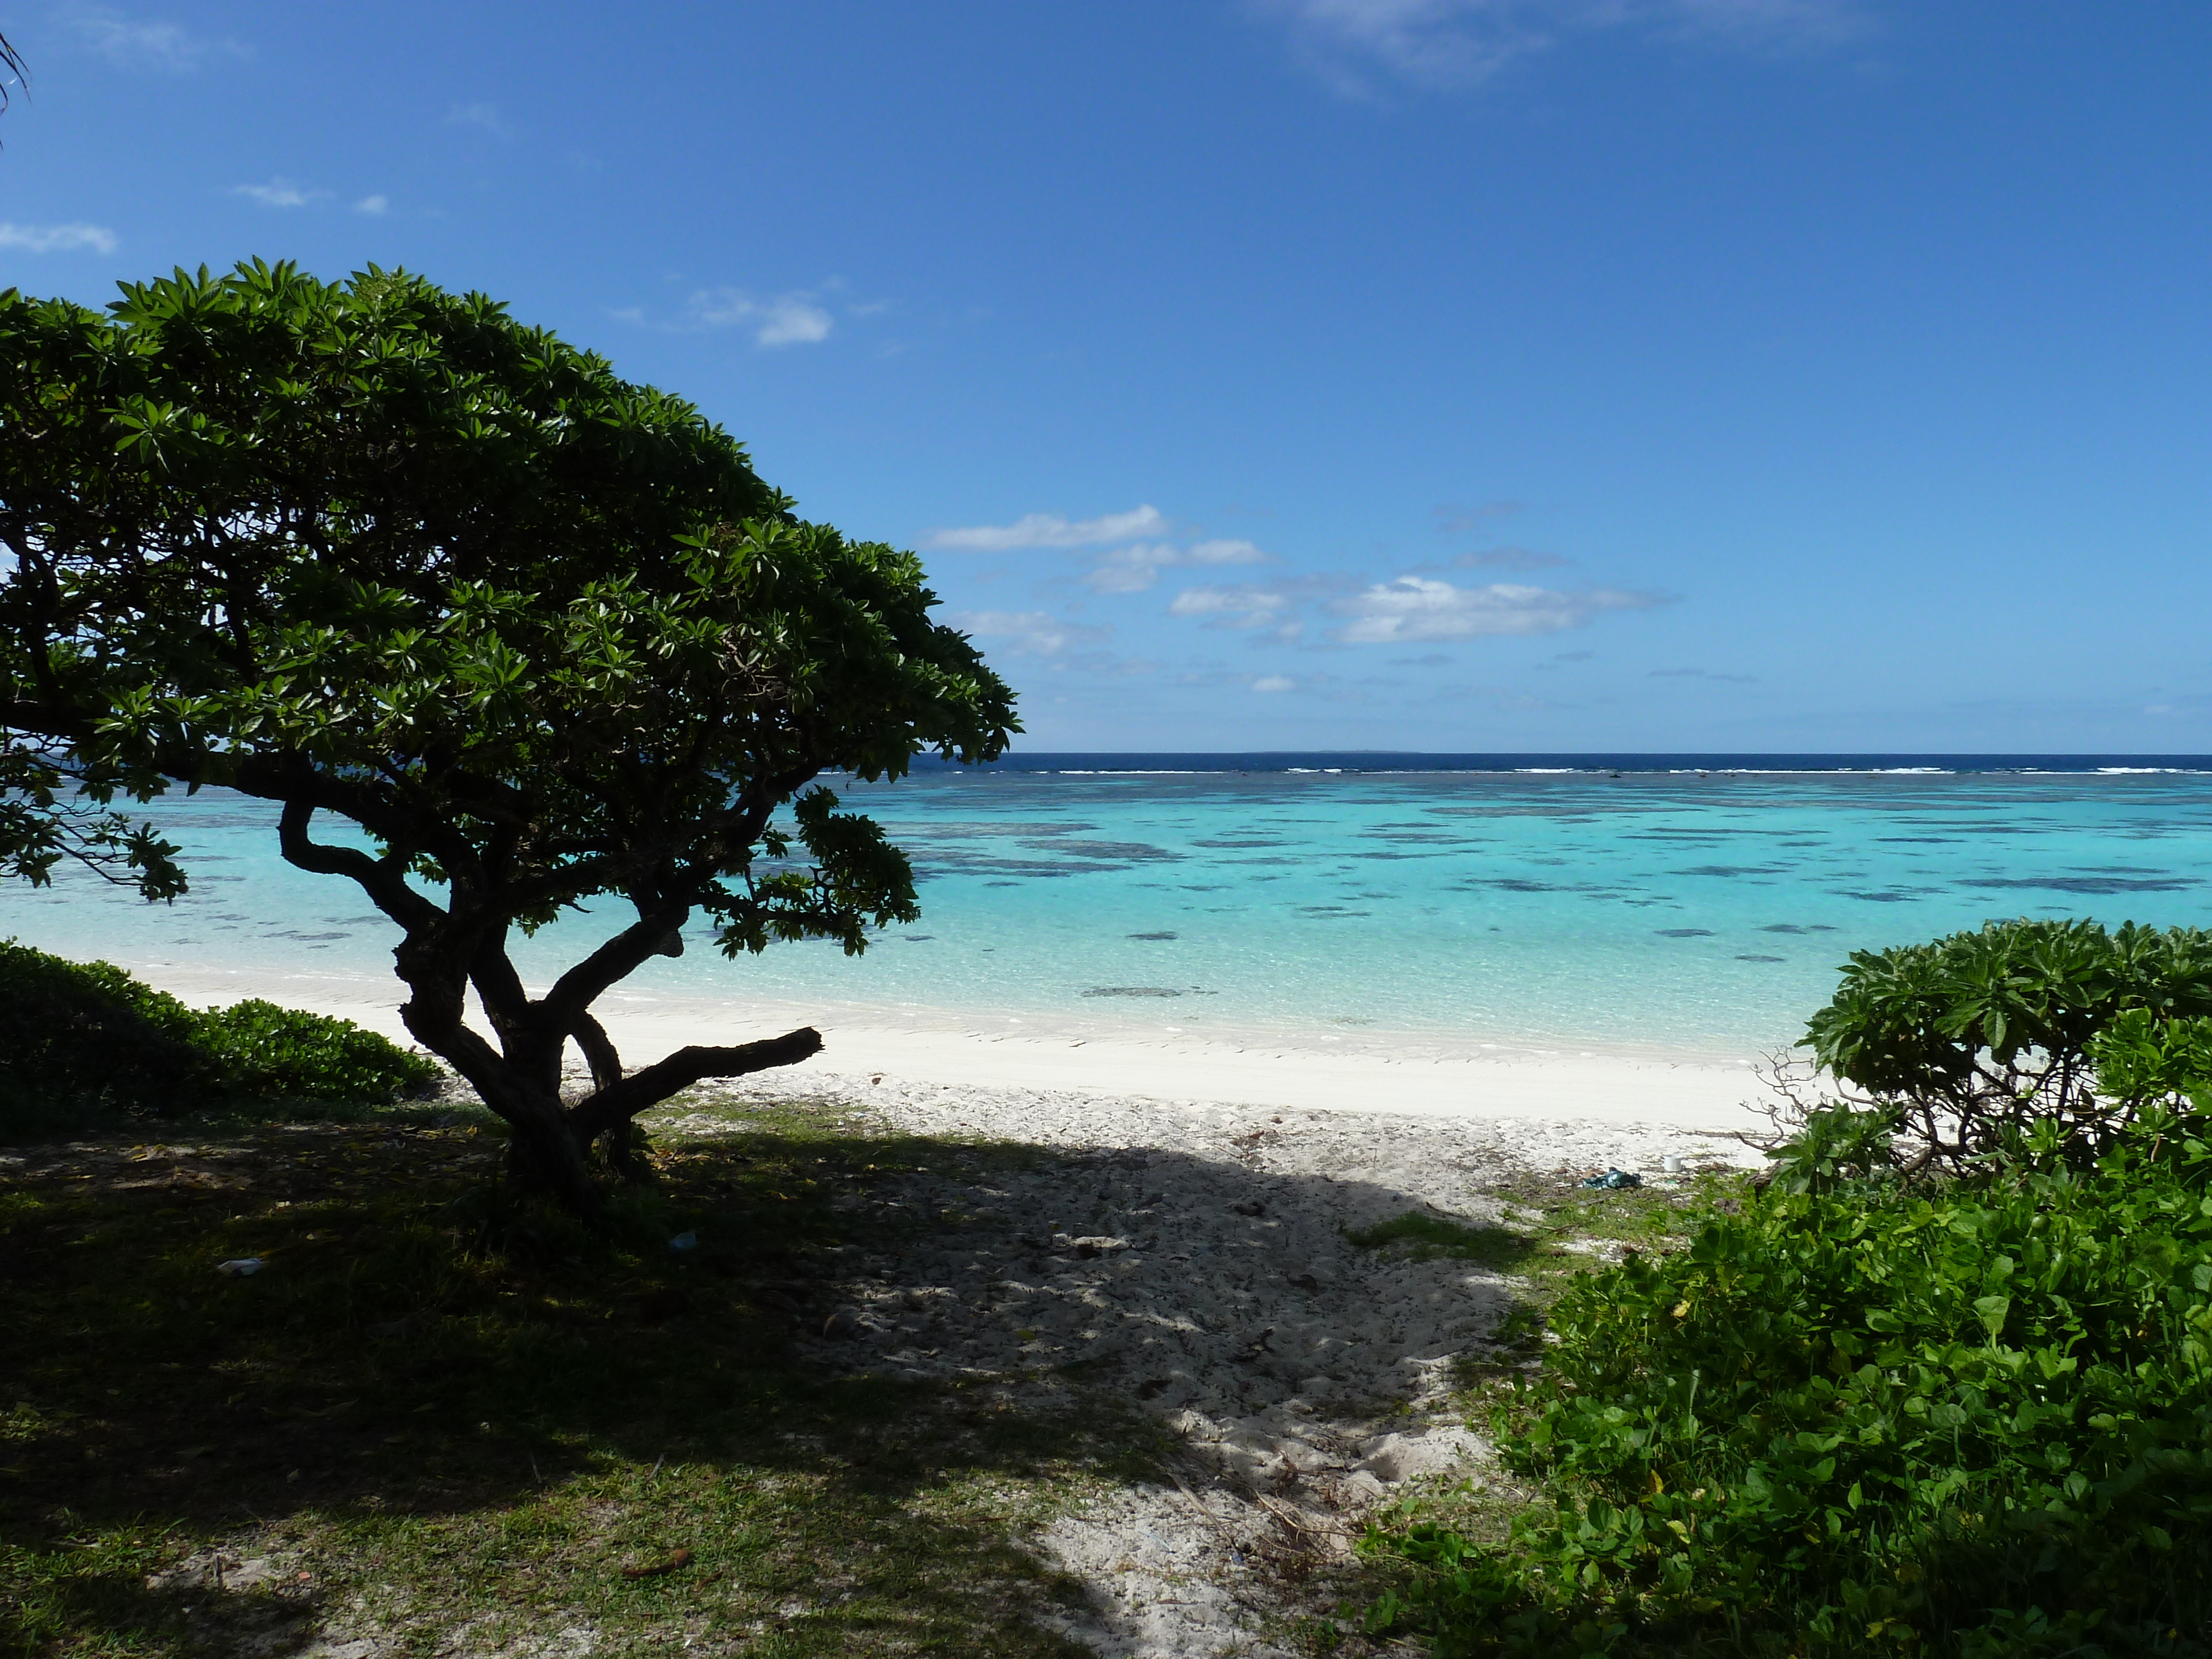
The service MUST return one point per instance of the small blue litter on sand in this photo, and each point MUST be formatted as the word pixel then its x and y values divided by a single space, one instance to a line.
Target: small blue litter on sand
pixel 1614 1180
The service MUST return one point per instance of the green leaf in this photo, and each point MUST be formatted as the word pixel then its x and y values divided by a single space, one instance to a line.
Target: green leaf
pixel 1992 1311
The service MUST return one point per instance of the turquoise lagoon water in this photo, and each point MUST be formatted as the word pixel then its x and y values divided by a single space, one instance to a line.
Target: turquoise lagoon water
pixel 1641 903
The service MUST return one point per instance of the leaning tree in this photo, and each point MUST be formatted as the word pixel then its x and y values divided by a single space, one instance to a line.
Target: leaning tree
pixel 499 633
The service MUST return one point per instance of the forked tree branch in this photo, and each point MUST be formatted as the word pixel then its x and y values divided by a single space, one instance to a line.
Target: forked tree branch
pixel 649 1085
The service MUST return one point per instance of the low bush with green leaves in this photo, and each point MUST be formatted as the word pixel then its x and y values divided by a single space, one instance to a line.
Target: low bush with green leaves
pixel 81 1042
pixel 1862 1415
pixel 1972 1038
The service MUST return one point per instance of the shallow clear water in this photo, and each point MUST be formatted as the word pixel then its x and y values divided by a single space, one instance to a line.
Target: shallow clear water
pixel 1685 911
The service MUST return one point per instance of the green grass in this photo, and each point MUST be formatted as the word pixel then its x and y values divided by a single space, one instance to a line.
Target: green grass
pixel 434 1410
pixel 1420 1236
pixel 1548 1216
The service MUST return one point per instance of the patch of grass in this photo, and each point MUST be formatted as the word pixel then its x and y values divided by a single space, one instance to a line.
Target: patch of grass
pixel 433 1411
pixel 1551 1215
pixel 1417 1236
pixel 1654 1212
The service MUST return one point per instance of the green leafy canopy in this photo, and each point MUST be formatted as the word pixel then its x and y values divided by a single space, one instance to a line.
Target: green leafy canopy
pixel 377 551
pixel 523 619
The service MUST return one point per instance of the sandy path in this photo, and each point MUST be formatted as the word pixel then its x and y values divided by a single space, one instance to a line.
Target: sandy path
pixel 1192 1256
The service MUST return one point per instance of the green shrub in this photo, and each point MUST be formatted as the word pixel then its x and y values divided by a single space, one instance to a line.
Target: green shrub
pixel 1863 1416
pixel 83 1041
pixel 1973 1038
pixel 267 1051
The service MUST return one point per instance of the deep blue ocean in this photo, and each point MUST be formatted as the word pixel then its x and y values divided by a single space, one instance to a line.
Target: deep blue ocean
pixel 1696 903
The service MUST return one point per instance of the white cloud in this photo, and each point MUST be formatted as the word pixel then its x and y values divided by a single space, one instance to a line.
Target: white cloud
pixel 1226 553
pixel 1134 569
pixel 1050 529
pixel 1026 633
pixel 1131 570
pixel 486 116
pixel 1274 683
pixel 279 193
pixel 1417 608
pixel 1462 43
pixel 374 205
pixel 793 321
pixel 784 319
pixel 56 239
pixel 1133 563
pixel 132 45
pixel 1236 607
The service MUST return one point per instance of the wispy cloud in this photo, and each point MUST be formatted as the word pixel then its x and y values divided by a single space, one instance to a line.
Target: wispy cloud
pixel 1274 683
pixel 484 116
pixel 1418 608
pixel 1249 606
pixel 133 42
pixel 1450 43
pixel 375 206
pixel 1704 674
pixel 279 193
pixel 1050 529
pixel 56 239
pixel 1225 552
pixel 1133 559
pixel 1134 569
pixel 1027 633
pixel 782 319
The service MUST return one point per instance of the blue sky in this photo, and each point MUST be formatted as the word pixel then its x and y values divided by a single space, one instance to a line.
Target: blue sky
pixel 1439 374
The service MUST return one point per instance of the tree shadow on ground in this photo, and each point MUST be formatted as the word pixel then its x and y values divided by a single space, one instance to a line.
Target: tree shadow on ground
pixel 422 1381
pixel 518 1423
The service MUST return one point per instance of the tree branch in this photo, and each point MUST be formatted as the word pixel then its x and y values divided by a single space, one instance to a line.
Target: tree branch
pixel 385 882
pixel 599 1051
pixel 576 990
pixel 646 1088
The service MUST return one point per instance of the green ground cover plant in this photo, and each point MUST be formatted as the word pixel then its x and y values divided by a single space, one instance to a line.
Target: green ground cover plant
pixel 83 1043
pixel 1857 1417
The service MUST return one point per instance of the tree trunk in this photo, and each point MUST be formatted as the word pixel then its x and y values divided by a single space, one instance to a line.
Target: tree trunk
pixel 550 1151
pixel 545 1158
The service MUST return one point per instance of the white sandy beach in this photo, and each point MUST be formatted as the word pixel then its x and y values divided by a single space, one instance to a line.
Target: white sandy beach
pixel 1358 1071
